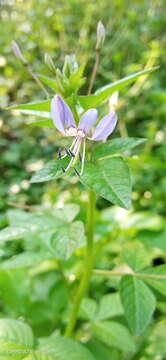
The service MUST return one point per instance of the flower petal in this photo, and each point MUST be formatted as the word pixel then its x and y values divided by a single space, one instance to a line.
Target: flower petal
pixel 87 120
pixel 105 127
pixel 61 114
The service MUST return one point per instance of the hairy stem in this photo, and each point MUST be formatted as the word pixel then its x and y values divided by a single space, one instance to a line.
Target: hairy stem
pixel 88 265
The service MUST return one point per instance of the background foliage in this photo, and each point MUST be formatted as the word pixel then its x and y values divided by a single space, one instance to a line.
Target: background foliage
pixel 32 288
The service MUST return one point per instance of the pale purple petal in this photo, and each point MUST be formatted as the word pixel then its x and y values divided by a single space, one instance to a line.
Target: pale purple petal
pixel 87 120
pixel 105 127
pixel 61 114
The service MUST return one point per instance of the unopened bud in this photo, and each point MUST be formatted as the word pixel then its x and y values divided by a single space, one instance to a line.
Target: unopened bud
pixel 17 52
pixel 70 65
pixel 100 35
pixel 59 80
pixel 113 101
pixel 49 62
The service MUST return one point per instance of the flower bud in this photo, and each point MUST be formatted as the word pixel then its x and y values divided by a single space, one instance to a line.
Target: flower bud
pixel 100 35
pixel 49 62
pixel 17 52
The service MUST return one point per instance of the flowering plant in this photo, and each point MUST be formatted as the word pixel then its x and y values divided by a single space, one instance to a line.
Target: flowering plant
pixel 103 171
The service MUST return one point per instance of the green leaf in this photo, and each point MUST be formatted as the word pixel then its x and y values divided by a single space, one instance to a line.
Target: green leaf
pixel 116 146
pixel 137 257
pixel 67 213
pixel 109 178
pixel 23 224
pixel 16 331
pixel 156 240
pixel 15 335
pixel 100 351
pixel 102 94
pixel 9 350
pixel 13 233
pixel 37 355
pixel 144 220
pixel 64 349
pixel 51 171
pixel 24 260
pixel 49 82
pixel 110 306
pixel 76 80
pixel 45 123
pixel 43 114
pixel 39 109
pixel 36 106
pixel 157 284
pixel 114 335
pixel 88 309
pixel 138 302
pixel 67 239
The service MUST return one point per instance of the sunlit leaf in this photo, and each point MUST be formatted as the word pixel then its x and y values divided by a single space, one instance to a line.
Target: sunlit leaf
pixel 116 146
pixel 103 93
pixel 49 82
pixel 16 338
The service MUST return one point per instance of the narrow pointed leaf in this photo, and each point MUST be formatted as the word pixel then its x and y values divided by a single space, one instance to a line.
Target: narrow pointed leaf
pixel 49 82
pixel 42 123
pixel 138 302
pixel 39 109
pixel 103 93
pixel 37 106
pixel 116 146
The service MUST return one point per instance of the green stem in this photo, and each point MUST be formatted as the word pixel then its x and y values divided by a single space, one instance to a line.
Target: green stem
pixel 112 273
pixel 88 265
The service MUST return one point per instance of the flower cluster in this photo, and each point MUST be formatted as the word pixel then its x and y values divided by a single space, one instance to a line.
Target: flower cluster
pixel 64 121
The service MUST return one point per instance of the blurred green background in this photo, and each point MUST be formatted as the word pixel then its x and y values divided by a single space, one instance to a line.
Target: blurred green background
pixel 135 37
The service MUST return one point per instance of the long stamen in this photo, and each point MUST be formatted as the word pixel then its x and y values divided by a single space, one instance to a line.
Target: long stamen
pixel 75 151
pixel 83 158
pixel 71 153
pixel 68 151
pixel 80 157
pixel 76 171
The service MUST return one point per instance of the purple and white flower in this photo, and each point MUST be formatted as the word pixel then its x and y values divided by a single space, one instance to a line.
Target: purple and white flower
pixel 64 121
